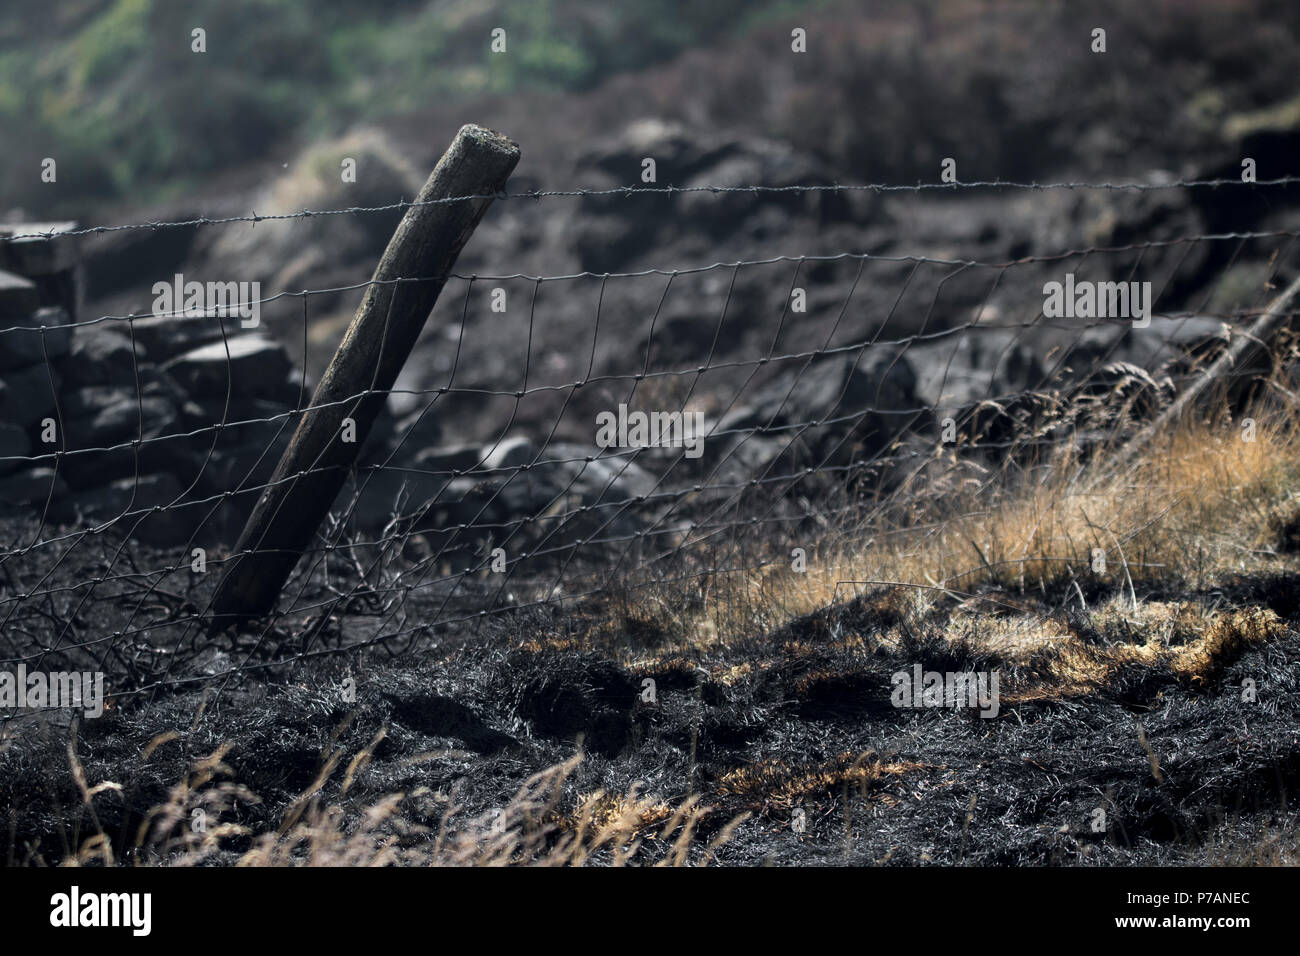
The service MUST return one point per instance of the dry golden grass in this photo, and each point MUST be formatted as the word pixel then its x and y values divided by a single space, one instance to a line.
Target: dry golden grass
pixel 1255 845
pixel 531 829
pixel 777 784
pixel 1197 506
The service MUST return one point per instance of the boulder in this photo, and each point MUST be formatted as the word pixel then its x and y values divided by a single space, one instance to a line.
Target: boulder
pixel 563 477
pixel 550 499
pixel 101 355
pixel 38 255
pixel 245 420
pixel 90 399
pixel 1174 344
pixel 14 446
pixel 32 487
pixel 834 408
pixel 133 259
pixel 119 418
pixel 99 427
pixel 167 336
pixel 973 366
pixel 255 367
pixel 128 504
pixel 416 433
pixel 30 395
pixel 513 452
pixel 446 461
pixel 679 153
pixel 29 340
pixel 233 467
pixel 18 297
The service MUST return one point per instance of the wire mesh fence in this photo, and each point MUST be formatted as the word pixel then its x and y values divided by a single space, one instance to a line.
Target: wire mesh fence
pixel 695 426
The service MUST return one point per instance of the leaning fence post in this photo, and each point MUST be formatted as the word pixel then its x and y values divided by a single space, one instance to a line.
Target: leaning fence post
pixel 403 291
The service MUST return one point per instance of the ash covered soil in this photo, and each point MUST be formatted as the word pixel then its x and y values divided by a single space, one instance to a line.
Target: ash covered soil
pixel 1122 737
pixel 1102 751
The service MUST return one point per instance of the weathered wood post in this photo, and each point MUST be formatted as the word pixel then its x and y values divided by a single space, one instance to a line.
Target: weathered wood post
pixel 374 349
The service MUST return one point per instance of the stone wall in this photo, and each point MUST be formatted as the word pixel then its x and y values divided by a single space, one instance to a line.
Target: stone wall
pixel 105 419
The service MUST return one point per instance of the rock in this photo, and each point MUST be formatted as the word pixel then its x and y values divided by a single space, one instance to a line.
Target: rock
pixel 118 419
pixel 127 504
pixel 445 462
pixel 18 297
pixel 745 456
pixel 557 500
pixel 512 452
pixel 616 229
pixel 836 407
pixel 241 454
pixel 1112 218
pixel 772 163
pixel 38 256
pixel 416 434
pixel 27 343
pixel 100 425
pixel 245 420
pixel 1169 345
pixel 971 367
pixel 682 334
pixel 32 487
pixel 233 467
pixel 102 356
pixel 256 367
pixel 133 259
pixel 370 499
pixel 592 474
pixel 14 444
pixel 90 399
pixel 62 290
pixel 157 382
pixel 561 479
pixel 406 490
pixel 167 336
pixel 405 399
pixel 125 495
pixel 679 153
pixel 1174 344
pixel 30 395
pixel 604 243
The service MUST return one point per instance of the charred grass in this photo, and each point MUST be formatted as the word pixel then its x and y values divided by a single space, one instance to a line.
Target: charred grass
pixel 1148 704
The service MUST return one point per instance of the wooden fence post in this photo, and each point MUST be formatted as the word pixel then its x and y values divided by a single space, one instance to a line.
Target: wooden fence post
pixel 374 349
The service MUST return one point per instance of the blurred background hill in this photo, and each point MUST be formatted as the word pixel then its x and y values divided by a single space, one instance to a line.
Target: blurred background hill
pixel 112 89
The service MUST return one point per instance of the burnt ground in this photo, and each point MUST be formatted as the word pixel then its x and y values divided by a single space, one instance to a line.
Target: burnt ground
pixel 779 717
pixel 792 728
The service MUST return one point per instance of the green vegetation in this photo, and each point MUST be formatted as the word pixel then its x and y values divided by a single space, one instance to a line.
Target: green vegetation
pixel 112 90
